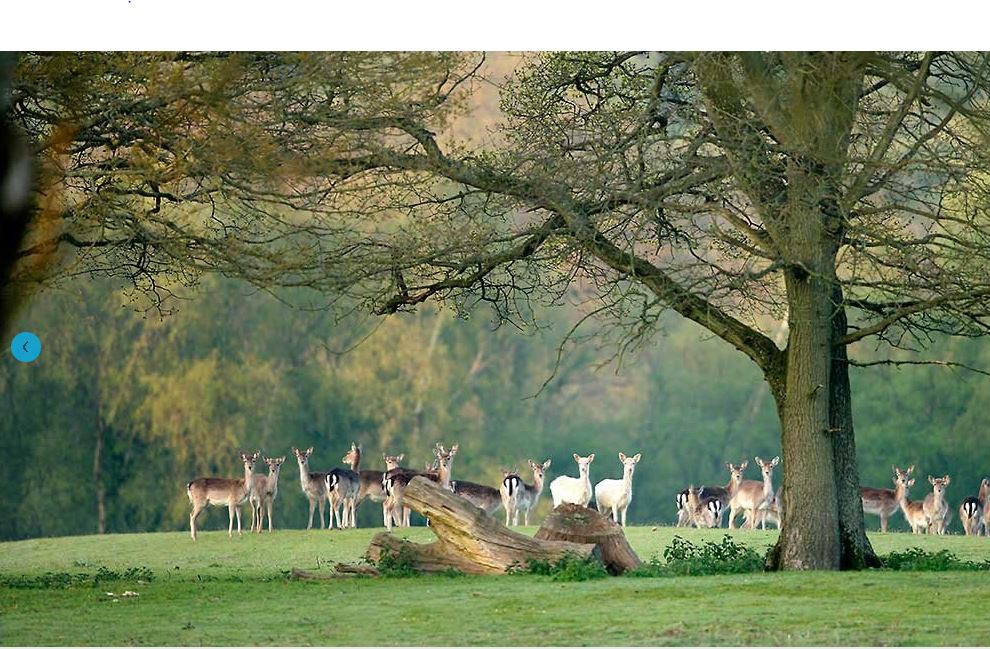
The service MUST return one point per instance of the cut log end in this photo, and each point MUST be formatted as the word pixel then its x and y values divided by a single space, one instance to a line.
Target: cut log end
pixel 577 524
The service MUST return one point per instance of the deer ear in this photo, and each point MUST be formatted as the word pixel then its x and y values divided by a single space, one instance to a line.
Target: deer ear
pixel 622 457
pixel 546 465
pixel 636 457
pixel 758 460
pixel 947 480
pixel 576 457
pixel 591 458
pixel 931 479
pixel 309 451
pixel 745 463
pixel 400 457
pixel 775 461
pixel 911 482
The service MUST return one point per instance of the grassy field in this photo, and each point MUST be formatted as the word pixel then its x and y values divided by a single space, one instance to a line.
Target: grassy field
pixel 235 592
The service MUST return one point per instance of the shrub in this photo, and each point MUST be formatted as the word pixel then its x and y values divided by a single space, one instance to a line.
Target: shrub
pixel 682 557
pixel 916 559
pixel 395 563
pixel 67 579
pixel 568 568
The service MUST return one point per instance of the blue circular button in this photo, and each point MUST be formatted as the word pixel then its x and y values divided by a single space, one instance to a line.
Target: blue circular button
pixel 25 347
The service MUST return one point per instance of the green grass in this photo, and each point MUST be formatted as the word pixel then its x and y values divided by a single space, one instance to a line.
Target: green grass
pixel 235 592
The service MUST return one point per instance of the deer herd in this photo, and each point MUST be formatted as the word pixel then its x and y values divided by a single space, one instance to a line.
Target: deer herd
pixel 702 506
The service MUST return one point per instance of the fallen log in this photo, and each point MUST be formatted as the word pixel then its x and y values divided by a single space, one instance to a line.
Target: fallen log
pixel 468 539
pixel 340 570
pixel 578 524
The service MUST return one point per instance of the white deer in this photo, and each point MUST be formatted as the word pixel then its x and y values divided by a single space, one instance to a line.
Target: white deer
pixel 565 489
pixel 615 495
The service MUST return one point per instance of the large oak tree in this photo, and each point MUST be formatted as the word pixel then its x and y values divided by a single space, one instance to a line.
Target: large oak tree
pixel 844 193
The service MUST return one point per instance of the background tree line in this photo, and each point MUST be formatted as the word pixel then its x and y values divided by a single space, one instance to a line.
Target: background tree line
pixel 124 406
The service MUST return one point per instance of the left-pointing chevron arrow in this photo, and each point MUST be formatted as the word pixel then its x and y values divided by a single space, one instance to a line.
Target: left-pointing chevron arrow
pixel 26 347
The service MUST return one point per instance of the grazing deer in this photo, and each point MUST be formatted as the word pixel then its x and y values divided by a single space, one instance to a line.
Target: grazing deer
pixel 884 502
pixel 565 489
pixel 935 506
pixel 314 485
pixel 517 496
pixel 722 494
pixel 971 511
pixel 370 480
pixel 615 495
pixel 481 496
pixel 342 488
pixel 264 488
pixel 751 494
pixel 702 513
pixel 222 491
pixel 914 511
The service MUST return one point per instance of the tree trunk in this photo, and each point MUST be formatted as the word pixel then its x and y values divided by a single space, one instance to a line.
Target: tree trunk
pixel 856 551
pixel 468 539
pixel 579 524
pixel 101 510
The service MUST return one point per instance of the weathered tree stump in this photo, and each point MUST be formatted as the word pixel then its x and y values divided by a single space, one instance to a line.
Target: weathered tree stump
pixel 577 524
pixel 468 539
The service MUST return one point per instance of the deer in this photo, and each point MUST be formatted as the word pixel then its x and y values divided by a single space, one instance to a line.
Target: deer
pixel 702 512
pixel 935 506
pixel 615 495
pixel 314 485
pixel 481 496
pixel 769 512
pixel 264 488
pixel 517 496
pixel 222 491
pixel 752 494
pixel 370 480
pixel 396 479
pixel 565 489
pixel 914 511
pixel 342 487
pixel 972 511
pixel 722 494
pixel 884 502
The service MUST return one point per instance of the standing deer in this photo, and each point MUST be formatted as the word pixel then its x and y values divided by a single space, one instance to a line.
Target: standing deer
pixel 935 506
pixel 752 494
pixel 615 495
pixel 884 502
pixel 971 511
pixel 370 480
pixel 264 488
pixel 314 485
pixel 914 511
pixel 342 489
pixel 397 478
pixel 565 489
pixel 769 512
pixel 222 491
pixel 724 494
pixel 517 496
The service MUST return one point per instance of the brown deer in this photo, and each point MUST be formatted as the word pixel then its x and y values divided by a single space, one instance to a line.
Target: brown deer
pixel 222 491
pixel 370 480
pixel 396 479
pixel 702 513
pixel 914 511
pixel 884 502
pixel 313 484
pixel 724 494
pixel 935 506
pixel 264 488
pixel 752 494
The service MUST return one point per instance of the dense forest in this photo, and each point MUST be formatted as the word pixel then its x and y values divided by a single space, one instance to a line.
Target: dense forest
pixel 125 405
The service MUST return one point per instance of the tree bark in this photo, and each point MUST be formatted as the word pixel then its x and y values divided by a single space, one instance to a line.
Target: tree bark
pixel 856 551
pixel 468 539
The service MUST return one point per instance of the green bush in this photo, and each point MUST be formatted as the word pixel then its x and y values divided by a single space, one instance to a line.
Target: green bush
pixel 569 568
pixel 682 557
pixel 67 579
pixel 398 563
pixel 916 559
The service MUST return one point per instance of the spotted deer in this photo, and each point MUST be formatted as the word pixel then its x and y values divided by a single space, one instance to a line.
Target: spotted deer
pixel 517 496
pixel 616 495
pixel 370 480
pixel 313 484
pixel 342 489
pixel 752 494
pixel 935 506
pixel 222 491
pixel 702 513
pixel 565 489
pixel 724 494
pixel 264 488
pixel 971 511
pixel 884 502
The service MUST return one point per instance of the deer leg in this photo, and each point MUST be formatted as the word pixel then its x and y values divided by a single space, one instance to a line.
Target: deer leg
pixel 237 510
pixel 322 509
pixel 192 520
pixel 268 506
pixel 230 519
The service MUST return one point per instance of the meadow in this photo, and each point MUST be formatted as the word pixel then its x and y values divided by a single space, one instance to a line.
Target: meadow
pixel 222 591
